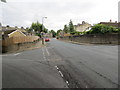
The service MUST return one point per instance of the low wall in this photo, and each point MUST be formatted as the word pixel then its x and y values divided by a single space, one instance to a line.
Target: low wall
pixel 16 40
pixel 18 46
pixel 94 39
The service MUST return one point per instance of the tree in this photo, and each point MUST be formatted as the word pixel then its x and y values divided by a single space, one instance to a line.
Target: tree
pixel 71 27
pixel 53 33
pixel 65 29
pixel 38 28
pixel 45 30
pixel 58 32
pixel 101 29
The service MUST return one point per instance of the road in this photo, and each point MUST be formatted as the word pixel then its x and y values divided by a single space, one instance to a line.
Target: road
pixel 62 65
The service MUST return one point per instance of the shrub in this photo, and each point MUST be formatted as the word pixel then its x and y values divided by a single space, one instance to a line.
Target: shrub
pixel 102 29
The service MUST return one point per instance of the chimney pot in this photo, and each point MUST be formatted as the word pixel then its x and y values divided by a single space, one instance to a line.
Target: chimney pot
pixel 110 20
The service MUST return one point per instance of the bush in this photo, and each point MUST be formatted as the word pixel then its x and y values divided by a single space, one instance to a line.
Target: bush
pixel 102 29
pixel 37 34
pixel 72 33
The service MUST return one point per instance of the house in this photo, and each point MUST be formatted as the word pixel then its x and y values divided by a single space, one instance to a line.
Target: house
pixel 12 32
pixel 6 30
pixel 110 23
pixel 16 33
pixel 83 27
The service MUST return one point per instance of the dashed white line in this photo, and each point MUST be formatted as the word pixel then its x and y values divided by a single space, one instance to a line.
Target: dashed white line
pixel 44 55
pixel 57 67
pixel 67 82
pixel 61 73
pixel 47 51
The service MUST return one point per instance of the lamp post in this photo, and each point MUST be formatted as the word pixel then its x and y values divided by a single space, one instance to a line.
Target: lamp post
pixel 42 33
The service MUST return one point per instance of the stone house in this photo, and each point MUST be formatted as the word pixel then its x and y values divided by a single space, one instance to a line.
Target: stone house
pixel 12 32
pixel 83 27
pixel 16 33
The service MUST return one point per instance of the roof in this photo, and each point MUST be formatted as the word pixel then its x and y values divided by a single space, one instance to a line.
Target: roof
pixel 83 23
pixel 22 30
pixel 114 24
pixel 8 30
pixel 16 31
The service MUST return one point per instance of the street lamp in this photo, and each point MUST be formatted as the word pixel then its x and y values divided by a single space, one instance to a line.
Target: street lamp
pixel 42 33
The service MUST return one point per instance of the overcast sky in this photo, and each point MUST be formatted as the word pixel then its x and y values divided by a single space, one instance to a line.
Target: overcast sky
pixel 59 12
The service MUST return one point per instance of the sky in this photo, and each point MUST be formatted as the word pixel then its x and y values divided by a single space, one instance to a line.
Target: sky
pixel 58 12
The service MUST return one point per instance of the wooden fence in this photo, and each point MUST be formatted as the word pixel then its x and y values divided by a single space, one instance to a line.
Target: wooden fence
pixel 16 40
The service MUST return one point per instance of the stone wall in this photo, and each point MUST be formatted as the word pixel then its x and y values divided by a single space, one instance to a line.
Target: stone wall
pixel 19 46
pixel 94 39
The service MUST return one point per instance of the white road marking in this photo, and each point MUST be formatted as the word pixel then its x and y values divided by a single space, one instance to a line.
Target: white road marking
pixel 47 52
pixel 57 67
pixel 43 54
pixel 61 73
pixel 3 55
pixel 10 54
pixel 16 54
pixel 67 82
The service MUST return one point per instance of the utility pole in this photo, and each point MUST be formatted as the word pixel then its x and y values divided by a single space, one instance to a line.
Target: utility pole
pixel 42 33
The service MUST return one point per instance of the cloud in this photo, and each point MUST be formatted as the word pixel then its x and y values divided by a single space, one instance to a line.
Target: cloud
pixel 59 12
pixel 119 11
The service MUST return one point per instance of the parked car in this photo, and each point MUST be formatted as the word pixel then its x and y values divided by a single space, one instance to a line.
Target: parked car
pixel 47 39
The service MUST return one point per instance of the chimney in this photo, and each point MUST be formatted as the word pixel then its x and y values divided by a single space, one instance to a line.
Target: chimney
pixel 83 22
pixel 110 20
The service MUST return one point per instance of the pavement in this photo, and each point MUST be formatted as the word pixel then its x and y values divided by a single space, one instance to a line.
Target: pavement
pixel 62 65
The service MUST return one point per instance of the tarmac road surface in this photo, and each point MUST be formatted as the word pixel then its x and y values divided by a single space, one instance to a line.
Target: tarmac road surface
pixel 62 65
